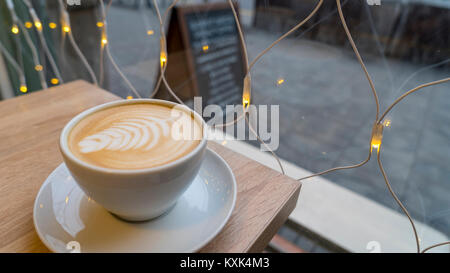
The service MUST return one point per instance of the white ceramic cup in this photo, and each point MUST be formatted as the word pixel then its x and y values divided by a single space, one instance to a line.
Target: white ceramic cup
pixel 134 195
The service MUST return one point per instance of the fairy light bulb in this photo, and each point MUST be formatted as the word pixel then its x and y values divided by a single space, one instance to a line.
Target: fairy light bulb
pixel 104 40
pixel 65 22
pixel 246 92
pixel 28 24
pixel 23 88
pixel 150 32
pixel 280 81
pixel 15 29
pixel 163 58
pixel 38 25
pixel 129 97
pixel 38 67
pixel 377 136
pixel 163 53
pixel 100 24
pixel 387 123
pixel 205 48
pixel 52 25
pixel 54 81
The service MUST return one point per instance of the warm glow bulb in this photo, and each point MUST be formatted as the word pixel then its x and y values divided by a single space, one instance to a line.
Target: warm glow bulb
pixel 15 29
pixel 104 40
pixel 246 102
pixel 66 29
pixel 163 53
pixel 100 24
pixel 23 88
pixel 377 136
pixel 205 48
pixel 163 58
pixel 52 25
pixel 54 81
pixel 38 25
pixel 129 97
pixel 150 32
pixel 38 67
pixel 28 24
pixel 280 81
pixel 247 92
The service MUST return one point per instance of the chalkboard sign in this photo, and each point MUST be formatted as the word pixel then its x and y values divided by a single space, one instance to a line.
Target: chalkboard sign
pixel 205 54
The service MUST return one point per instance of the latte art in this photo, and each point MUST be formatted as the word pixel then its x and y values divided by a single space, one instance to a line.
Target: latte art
pixel 137 133
pixel 134 136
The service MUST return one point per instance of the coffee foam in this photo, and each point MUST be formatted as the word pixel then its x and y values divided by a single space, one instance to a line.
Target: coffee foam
pixel 134 136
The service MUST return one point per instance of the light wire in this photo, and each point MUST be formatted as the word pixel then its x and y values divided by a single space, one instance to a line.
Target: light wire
pixel 108 52
pixel 13 62
pixel 43 41
pixel 163 48
pixel 409 93
pixel 29 42
pixel 405 211
pixel 163 79
pixel 66 19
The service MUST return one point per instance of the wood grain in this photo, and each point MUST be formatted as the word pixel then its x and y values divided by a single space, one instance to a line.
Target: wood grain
pixel 29 132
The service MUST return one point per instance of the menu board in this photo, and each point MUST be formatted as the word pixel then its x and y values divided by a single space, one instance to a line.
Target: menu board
pixel 211 56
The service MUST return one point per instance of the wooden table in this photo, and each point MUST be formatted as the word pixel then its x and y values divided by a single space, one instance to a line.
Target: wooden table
pixel 29 131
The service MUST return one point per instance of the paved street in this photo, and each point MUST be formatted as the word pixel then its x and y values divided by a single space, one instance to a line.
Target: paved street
pixel 327 111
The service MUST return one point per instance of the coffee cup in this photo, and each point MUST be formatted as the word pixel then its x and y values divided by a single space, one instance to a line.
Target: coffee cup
pixel 135 157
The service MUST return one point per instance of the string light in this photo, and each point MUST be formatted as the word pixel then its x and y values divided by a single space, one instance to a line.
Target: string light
pixel 247 92
pixel 163 52
pixel 38 25
pixel 377 136
pixel 66 29
pixel 355 50
pixel 104 46
pixel 280 81
pixel 16 66
pixel 15 29
pixel 42 39
pixel 246 100
pixel 28 40
pixel 377 129
pixel 52 25
pixel 129 97
pixel 23 88
pixel 150 32
pixel 104 41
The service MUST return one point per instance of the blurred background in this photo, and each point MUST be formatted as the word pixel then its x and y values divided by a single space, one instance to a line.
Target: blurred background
pixel 326 106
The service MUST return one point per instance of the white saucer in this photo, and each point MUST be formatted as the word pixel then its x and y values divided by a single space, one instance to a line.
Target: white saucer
pixel 65 218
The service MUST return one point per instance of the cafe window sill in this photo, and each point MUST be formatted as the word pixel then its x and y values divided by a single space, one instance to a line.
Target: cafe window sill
pixel 345 218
